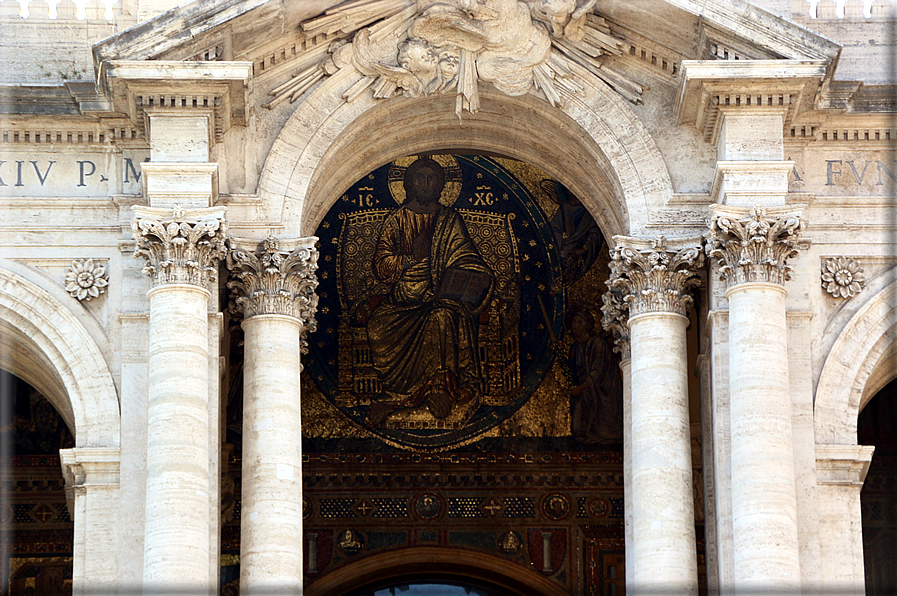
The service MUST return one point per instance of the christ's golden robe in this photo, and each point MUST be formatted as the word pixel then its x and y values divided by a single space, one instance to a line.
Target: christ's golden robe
pixel 421 339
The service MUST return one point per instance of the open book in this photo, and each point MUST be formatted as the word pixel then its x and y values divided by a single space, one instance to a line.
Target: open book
pixel 464 285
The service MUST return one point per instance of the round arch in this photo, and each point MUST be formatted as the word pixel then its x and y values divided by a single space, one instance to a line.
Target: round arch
pixel 45 344
pixel 429 560
pixel 594 144
pixel 855 367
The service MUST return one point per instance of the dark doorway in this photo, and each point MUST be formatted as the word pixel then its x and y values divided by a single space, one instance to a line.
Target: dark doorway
pixel 877 425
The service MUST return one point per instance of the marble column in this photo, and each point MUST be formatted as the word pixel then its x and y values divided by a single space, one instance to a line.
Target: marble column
pixel 182 248
pixel 752 247
pixel 275 288
pixel 655 279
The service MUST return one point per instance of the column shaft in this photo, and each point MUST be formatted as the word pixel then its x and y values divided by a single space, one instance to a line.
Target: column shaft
pixel 176 548
pixel 763 490
pixel 664 552
pixel 628 542
pixel 271 527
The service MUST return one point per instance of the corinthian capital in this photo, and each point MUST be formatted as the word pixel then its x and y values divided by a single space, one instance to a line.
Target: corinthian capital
pixel 754 245
pixel 275 278
pixel 181 246
pixel 655 275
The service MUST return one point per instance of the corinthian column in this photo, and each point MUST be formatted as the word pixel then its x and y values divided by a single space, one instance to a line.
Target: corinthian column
pixel 182 249
pixel 654 279
pixel 752 247
pixel 275 287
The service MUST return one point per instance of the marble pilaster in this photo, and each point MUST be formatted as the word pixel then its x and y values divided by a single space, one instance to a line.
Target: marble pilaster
pixel 275 288
pixel 92 487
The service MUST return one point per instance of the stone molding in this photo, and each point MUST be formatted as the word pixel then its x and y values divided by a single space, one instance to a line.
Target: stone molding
pixel 613 319
pixel 753 245
pixel 181 246
pixel 843 465
pixel 655 275
pixel 276 278
pixel 89 467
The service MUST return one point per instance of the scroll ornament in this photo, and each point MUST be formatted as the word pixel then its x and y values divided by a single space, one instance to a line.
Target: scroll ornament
pixel 655 279
pixel 275 281
pixel 85 280
pixel 419 47
pixel 755 248
pixel 181 246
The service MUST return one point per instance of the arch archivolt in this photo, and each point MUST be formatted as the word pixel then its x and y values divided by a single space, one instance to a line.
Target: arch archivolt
pixel 430 561
pixel 595 144
pixel 48 346
pixel 855 367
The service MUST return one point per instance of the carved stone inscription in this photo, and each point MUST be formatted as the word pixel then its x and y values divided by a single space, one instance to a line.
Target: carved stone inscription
pixel 71 174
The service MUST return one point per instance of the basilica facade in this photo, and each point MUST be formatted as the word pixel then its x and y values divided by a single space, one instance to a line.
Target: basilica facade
pixel 366 297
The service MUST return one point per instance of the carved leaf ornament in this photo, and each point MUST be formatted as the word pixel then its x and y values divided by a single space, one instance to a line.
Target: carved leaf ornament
pixel 755 248
pixel 420 47
pixel 655 280
pixel 613 319
pixel 273 281
pixel 184 249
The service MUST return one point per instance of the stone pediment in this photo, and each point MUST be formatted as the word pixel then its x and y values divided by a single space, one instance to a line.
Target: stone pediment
pixel 423 47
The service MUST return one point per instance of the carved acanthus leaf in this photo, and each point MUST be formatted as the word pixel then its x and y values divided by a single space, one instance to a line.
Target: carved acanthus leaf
pixel 275 280
pixel 654 277
pixel 755 245
pixel 181 246
pixel 422 47
pixel 614 319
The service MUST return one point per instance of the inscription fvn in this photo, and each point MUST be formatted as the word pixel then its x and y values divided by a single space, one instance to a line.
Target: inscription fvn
pixel 835 167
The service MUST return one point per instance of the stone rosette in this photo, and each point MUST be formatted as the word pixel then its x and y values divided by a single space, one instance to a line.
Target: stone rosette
pixel 842 277
pixel 85 279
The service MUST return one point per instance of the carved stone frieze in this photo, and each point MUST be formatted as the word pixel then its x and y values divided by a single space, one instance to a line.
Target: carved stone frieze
pixel 181 246
pixel 85 280
pixel 842 277
pixel 655 276
pixel 419 47
pixel 754 245
pixel 276 278
pixel 614 319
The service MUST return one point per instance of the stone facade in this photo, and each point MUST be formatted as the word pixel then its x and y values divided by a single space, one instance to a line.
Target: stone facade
pixel 163 283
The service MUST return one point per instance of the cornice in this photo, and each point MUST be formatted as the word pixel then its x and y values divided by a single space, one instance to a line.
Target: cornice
pixel 710 88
